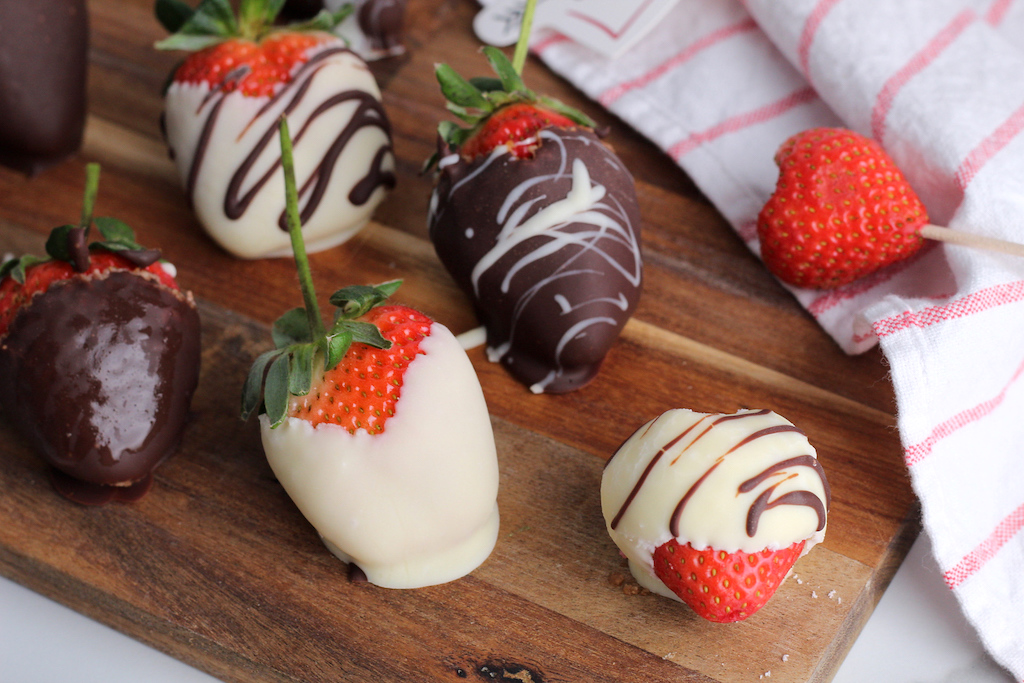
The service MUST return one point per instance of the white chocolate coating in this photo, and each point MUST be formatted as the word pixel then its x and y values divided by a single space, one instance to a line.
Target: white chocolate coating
pixel 416 505
pixel 705 479
pixel 213 136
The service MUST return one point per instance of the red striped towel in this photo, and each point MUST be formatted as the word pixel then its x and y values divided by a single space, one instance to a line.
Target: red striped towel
pixel 940 83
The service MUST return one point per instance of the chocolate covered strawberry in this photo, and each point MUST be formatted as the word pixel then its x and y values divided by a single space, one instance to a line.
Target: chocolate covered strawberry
pixel 537 221
pixel 841 210
pixel 99 357
pixel 377 428
pixel 220 115
pixel 714 509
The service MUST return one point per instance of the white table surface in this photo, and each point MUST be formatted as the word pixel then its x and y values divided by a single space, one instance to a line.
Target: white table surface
pixel 916 635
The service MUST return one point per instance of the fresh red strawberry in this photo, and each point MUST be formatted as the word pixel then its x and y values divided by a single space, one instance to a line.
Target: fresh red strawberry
pixel 500 111
pixel 841 210
pixel 105 327
pixel 719 586
pixel 221 107
pixel 514 126
pixel 537 221
pixel 256 69
pixel 362 390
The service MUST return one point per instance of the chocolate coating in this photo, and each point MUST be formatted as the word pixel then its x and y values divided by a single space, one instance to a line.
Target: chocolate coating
pixel 98 374
pixel 547 248
pixel 383 22
pixel 43 58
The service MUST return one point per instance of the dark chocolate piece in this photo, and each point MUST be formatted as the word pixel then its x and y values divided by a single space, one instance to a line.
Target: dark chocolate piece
pixel 383 22
pixel 98 375
pixel 43 62
pixel 547 248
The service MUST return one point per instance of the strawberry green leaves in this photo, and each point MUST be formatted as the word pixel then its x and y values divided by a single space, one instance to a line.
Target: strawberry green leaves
pixel 459 92
pixel 172 14
pixel 288 370
pixel 214 21
pixel 476 99
pixel 254 14
pixel 303 347
pixel 16 267
pixel 510 79
pixel 325 20
pixel 69 243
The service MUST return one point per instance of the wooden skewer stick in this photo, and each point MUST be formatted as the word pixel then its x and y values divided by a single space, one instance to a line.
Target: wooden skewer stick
pixel 968 239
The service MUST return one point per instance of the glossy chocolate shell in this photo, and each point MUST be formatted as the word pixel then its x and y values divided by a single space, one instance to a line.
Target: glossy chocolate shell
pixel 98 374
pixel 43 61
pixel 548 250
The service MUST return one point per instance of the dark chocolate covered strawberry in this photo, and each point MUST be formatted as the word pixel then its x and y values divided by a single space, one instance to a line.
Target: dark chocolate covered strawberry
pixel 99 357
pixel 537 221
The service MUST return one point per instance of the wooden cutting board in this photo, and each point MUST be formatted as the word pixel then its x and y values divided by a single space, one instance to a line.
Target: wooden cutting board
pixel 216 566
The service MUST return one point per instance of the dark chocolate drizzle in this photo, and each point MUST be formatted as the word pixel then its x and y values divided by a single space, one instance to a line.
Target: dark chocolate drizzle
pixel 763 501
pixel 201 145
pixel 78 248
pixel 646 472
pixel 801 498
pixel 798 461
pixel 369 113
pixel 806 498
pixel 140 258
pixel 677 513
pixel 554 300
pixel 98 374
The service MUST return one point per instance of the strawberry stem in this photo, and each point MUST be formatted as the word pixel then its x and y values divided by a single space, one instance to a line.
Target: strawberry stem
pixel 316 324
pixel 523 44
pixel 92 184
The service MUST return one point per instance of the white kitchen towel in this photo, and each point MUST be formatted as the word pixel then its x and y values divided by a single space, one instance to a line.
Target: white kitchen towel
pixel 940 83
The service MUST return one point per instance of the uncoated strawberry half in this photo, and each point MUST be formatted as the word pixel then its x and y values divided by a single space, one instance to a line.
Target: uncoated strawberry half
pixel 719 586
pixel 840 211
pixel 361 392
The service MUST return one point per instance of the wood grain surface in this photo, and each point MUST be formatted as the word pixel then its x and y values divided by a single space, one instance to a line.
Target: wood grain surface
pixel 217 567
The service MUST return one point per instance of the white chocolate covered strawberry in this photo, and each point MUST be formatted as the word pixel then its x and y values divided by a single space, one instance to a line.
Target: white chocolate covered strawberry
pixel 378 430
pixel 392 458
pixel 714 509
pixel 220 119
